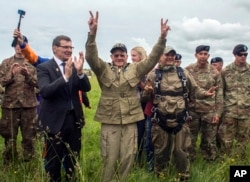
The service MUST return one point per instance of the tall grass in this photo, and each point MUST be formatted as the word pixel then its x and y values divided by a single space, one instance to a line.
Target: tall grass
pixel 90 164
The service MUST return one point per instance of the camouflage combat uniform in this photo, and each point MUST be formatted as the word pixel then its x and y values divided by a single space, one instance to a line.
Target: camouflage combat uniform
pixel 236 120
pixel 173 107
pixel 18 108
pixel 203 110
pixel 1 94
pixel 119 107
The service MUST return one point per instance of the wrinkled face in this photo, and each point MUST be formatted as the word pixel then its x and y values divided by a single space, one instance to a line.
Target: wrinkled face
pixel 217 66
pixel 202 57
pixel 135 56
pixel 169 58
pixel 119 58
pixel 64 50
pixel 241 58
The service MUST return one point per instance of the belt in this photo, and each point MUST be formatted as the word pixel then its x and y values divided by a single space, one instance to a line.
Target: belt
pixel 172 116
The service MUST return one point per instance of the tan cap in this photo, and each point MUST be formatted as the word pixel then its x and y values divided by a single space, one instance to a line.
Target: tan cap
pixel 169 49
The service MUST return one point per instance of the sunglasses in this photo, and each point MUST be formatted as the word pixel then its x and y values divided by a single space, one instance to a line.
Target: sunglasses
pixel 66 47
pixel 119 55
pixel 242 54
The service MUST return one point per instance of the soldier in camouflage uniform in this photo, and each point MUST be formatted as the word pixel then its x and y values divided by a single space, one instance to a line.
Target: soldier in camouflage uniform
pixel 170 132
pixel 236 121
pixel 205 112
pixel 19 79
pixel 217 62
pixel 119 107
pixel 1 94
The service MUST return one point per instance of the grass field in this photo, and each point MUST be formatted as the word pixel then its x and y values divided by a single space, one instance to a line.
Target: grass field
pixel 89 166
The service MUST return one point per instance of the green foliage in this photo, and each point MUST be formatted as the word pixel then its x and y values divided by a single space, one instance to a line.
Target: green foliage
pixel 90 163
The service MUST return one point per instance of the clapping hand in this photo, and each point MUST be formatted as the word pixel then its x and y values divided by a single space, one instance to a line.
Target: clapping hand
pixel 78 64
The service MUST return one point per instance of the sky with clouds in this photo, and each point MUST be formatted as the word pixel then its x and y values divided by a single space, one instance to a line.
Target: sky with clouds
pixel 222 24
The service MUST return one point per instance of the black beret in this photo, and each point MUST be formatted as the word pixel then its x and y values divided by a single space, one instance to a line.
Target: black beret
pixel 239 48
pixel 216 60
pixel 119 46
pixel 202 48
pixel 178 57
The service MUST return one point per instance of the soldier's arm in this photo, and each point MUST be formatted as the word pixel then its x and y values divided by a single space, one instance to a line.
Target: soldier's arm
pixel 194 89
pixel 31 55
pixel 219 98
pixel 6 75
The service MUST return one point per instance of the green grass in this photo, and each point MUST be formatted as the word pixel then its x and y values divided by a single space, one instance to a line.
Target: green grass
pixel 90 164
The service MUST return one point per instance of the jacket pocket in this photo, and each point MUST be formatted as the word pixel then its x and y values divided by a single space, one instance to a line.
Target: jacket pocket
pixel 133 81
pixel 105 106
pixel 134 106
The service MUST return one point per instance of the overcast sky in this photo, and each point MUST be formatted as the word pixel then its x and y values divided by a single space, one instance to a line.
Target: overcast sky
pixel 219 23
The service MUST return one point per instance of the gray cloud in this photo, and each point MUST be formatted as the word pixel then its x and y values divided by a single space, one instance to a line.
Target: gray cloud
pixel 218 23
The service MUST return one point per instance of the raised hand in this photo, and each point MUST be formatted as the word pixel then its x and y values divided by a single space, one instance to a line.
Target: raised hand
pixel 164 28
pixel 19 36
pixel 93 23
pixel 68 68
pixel 78 64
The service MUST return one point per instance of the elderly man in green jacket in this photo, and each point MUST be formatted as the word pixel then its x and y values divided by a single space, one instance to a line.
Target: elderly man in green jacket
pixel 119 106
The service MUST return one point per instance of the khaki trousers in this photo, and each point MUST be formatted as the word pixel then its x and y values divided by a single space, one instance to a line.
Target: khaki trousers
pixel 118 149
pixel 166 145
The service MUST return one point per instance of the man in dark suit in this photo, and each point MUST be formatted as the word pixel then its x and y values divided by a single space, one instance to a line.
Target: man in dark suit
pixel 61 116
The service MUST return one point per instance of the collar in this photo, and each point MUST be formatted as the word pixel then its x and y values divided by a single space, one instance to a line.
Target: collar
pixel 168 68
pixel 58 61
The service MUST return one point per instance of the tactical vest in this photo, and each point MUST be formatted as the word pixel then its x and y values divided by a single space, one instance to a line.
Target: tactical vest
pixel 181 118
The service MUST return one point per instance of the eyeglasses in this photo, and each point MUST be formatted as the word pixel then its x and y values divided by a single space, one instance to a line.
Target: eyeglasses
pixel 242 54
pixel 169 55
pixel 66 47
pixel 117 55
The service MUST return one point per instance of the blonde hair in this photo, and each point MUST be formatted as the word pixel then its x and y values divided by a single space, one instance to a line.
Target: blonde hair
pixel 141 51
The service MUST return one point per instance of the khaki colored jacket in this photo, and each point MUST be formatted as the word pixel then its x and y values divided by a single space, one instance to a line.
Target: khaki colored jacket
pixel 170 82
pixel 119 102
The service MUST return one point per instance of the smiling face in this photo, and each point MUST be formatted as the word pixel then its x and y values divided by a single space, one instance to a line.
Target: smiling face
pixel 119 58
pixel 135 56
pixel 138 53
pixel 62 47
pixel 169 58
pixel 63 51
